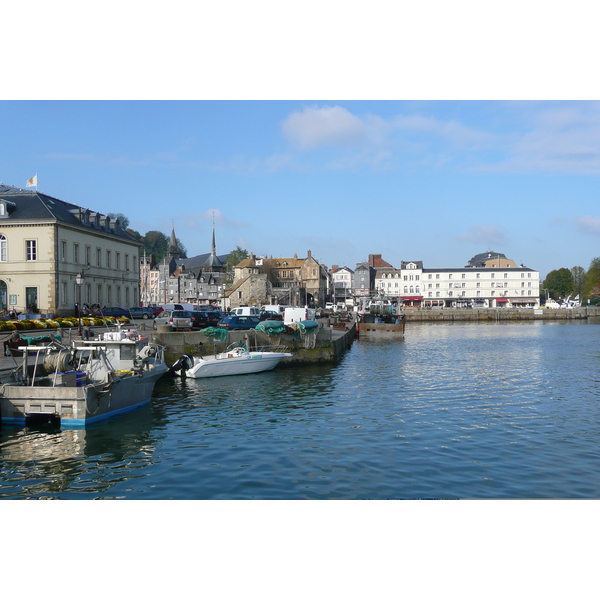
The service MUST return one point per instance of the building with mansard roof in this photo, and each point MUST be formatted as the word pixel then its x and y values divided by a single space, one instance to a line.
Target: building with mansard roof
pixel 488 282
pixel 45 243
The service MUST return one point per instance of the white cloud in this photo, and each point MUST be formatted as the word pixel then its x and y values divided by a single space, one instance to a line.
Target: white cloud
pixel 484 235
pixel 588 224
pixel 329 126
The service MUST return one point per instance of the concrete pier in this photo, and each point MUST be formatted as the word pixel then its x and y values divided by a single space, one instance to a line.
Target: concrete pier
pixel 327 345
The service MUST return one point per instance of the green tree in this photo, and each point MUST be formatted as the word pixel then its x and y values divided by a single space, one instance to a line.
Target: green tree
pixel 157 243
pixel 234 257
pixel 579 276
pixel 559 283
pixel 592 282
pixel 123 220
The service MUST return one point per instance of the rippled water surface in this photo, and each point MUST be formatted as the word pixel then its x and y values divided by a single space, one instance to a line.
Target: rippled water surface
pixel 490 410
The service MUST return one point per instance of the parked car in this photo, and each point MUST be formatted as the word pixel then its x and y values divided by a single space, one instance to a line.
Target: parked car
pixel 114 311
pixel 205 318
pixel 177 319
pixel 233 322
pixel 270 315
pixel 142 312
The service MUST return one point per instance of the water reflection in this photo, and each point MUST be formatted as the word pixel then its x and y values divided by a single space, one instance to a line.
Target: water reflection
pixel 46 461
pixel 453 410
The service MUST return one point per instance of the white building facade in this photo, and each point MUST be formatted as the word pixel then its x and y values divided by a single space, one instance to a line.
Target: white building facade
pixel 474 287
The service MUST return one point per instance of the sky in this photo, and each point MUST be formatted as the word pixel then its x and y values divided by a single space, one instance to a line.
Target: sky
pixel 437 181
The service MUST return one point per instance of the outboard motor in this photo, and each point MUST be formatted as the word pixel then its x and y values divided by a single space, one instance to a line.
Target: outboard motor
pixel 183 363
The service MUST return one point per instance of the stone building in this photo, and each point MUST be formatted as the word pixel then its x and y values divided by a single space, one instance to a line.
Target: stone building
pixel 196 280
pixel 293 281
pixel 46 243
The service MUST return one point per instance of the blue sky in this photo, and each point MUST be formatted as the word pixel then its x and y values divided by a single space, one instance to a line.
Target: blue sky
pixel 437 181
pixel 457 128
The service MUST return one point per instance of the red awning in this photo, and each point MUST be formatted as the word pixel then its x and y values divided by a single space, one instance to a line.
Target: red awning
pixel 501 299
pixel 412 297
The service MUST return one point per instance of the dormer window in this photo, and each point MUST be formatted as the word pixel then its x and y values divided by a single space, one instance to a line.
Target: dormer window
pixel 6 207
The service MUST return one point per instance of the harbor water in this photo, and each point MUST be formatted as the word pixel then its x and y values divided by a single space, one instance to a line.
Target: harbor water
pixel 494 410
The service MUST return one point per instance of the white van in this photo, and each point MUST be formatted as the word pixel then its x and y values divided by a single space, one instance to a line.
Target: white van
pixel 246 311
pixel 274 308
pixel 295 315
pixel 179 306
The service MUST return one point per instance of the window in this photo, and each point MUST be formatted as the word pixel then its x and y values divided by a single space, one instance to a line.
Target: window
pixel 108 260
pixel 463 275
pixel 63 251
pixel 63 292
pixel 99 295
pixel 478 293
pixel 118 260
pixel 98 257
pixel 477 276
pixel 493 275
pixel 450 276
pixel 88 256
pixel 429 276
pixel 437 275
pixel 31 250
pixel 450 294
pixel 478 284
pixel 3 243
pixel 109 294
pixel 505 275
pixel 76 253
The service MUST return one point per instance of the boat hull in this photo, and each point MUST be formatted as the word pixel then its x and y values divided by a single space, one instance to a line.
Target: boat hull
pixel 383 330
pixel 78 406
pixel 223 365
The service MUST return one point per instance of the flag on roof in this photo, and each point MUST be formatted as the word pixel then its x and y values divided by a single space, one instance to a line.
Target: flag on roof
pixel 32 181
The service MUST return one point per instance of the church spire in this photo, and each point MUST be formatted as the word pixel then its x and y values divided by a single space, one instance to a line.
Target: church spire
pixel 173 248
pixel 214 244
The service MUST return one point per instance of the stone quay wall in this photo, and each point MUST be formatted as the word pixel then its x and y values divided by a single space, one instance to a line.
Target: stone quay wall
pixel 498 314
pixel 329 345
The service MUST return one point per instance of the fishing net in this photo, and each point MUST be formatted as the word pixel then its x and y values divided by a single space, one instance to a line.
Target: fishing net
pixel 216 333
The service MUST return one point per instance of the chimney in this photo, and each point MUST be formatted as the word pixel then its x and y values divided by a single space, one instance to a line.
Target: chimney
pixel 309 254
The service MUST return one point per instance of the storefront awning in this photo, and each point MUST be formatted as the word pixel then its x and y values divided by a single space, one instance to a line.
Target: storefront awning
pixel 501 299
pixel 411 297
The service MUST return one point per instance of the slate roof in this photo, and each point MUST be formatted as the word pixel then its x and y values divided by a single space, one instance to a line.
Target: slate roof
pixel 36 206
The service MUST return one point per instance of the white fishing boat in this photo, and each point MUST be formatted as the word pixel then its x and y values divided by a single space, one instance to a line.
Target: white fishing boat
pixel 234 361
pixel 83 383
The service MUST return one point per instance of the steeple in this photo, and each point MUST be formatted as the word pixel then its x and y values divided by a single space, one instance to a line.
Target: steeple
pixel 214 244
pixel 173 249
pixel 213 261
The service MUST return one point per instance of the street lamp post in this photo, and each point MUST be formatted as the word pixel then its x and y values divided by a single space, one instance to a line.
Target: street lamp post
pixel 79 281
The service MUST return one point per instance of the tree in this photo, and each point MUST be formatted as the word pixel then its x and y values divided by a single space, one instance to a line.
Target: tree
pixel 123 220
pixel 592 282
pixel 157 243
pixel 579 276
pixel 234 258
pixel 559 283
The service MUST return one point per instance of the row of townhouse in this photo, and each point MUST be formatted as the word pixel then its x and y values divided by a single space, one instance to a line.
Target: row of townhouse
pixel 289 281
pixel 489 280
pixel 54 254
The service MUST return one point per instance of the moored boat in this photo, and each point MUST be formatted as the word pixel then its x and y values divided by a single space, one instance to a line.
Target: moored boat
pixel 234 361
pixel 84 383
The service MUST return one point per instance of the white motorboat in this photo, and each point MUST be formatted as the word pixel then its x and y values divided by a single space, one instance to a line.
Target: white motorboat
pixel 234 361
pixel 80 384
